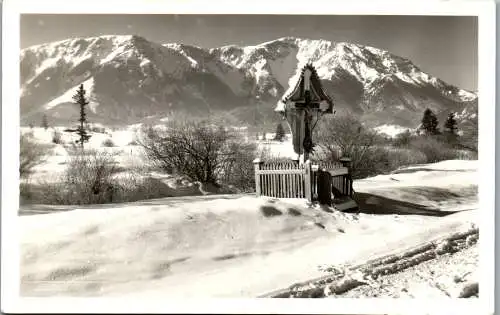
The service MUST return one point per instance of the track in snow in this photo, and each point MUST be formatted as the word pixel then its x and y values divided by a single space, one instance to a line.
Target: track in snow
pixel 342 280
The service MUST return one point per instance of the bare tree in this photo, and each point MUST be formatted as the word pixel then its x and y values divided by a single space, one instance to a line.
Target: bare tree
pixel 31 154
pixel 88 177
pixel 344 136
pixel 198 149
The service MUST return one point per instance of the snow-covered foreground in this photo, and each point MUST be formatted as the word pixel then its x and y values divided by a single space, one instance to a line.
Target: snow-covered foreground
pixel 239 245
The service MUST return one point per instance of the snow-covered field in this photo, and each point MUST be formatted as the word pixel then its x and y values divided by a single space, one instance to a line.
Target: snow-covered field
pixel 390 130
pixel 235 245
pixel 126 152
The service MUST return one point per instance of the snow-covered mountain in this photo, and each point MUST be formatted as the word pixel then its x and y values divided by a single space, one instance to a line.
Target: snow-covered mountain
pixel 130 78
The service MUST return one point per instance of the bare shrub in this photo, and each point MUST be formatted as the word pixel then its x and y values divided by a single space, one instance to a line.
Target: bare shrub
pixel 47 193
pixel 87 180
pixel 25 193
pixel 384 159
pixel 422 150
pixel 31 154
pixel 465 154
pixel 400 157
pixel 266 155
pixel 344 136
pixel 89 176
pixel 133 187
pixel 236 168
pixel 376 161
pixel 433 149
pixel 202 151
pixel 469 139
pixel 403 139
pixel 92 178
pixel 127 188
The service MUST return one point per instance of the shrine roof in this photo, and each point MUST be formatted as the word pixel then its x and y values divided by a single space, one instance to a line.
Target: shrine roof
pixel 295 91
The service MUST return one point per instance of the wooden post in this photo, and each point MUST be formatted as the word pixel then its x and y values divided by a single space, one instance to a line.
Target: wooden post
pixel 324 187
pixel 314 180
pixel 308 180
pixel 346 162
pixel 257 165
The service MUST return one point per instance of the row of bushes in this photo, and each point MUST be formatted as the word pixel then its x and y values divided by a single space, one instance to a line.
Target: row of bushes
pixel 31 154
pixel 371 154
pixel 212 155
pixel 203 151
pixel 91 178
pixel 382 160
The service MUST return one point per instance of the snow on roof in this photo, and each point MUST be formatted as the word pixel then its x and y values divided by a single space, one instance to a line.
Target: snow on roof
pixel 296 81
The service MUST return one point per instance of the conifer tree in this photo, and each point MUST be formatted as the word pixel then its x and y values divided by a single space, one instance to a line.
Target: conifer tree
pixel 450 128
pixel 45 123
pixel 450 125
pixel 430 122
pixel 82 102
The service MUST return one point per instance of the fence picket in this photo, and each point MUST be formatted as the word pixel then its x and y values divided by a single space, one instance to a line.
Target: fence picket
pixel 271 190
pixel 296 192
pixel 283 187
pixel 302 186
pixel 289 193
pixel 268 186
pixel 269 183
pixel 288 185
pixel 277 179
pixel 273 185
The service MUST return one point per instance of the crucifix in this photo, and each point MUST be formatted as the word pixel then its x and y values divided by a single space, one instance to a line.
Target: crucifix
pixel 304 100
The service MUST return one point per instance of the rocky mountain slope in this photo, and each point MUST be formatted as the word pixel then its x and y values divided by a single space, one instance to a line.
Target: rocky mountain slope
pixel 130 78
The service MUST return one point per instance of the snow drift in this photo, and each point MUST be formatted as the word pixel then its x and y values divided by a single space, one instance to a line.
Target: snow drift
pixel 230 245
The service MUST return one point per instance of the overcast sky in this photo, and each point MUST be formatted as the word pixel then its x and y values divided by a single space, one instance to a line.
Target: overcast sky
pixel 445 47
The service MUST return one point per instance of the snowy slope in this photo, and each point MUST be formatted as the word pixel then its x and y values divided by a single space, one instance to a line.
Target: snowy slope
pixel 226 246
pixel 67 97
pixel 132 78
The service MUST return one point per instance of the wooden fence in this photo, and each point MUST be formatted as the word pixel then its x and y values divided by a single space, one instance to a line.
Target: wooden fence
pixel 308 180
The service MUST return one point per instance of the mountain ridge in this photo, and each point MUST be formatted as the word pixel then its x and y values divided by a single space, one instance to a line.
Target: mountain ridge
pixel 132 78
